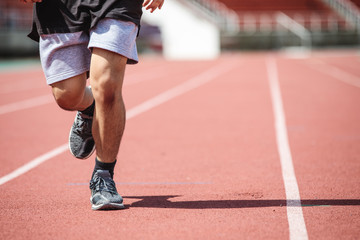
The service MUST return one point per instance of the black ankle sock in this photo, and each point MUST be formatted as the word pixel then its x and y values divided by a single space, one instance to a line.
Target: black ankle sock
pixel 104 166
pixel 90 110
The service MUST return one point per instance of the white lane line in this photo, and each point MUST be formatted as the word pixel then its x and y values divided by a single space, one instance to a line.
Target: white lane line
pixel 336 72
pixel 29 103
pixel 146 106
pixel 33 163
pixel 143 77
pixel 156 72
pixel 28 85
pixel 297 227
pixel 192 83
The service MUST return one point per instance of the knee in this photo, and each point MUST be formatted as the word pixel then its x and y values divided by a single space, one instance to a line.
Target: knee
pixel 70 92
pixel 106 76
pixel 106 90
pixel 67 99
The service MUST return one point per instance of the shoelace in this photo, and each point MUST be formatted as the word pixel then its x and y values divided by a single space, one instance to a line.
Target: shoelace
pixel 101 184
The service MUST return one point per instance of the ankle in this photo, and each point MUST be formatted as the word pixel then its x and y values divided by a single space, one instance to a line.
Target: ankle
pixel 89 111
pixel 104 166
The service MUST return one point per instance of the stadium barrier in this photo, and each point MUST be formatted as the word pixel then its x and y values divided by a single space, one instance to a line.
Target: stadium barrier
pixel 348 10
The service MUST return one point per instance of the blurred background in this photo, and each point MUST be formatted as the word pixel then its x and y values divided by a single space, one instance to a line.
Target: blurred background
pixel 202 29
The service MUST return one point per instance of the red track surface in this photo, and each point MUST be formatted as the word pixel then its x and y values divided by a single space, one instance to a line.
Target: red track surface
pixel 202 165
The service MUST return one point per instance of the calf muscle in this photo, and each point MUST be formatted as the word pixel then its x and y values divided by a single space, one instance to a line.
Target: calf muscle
pixel 106 78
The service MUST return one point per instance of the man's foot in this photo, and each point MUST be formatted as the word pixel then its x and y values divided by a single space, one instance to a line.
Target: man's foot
pixel 103 192
pixel 81 141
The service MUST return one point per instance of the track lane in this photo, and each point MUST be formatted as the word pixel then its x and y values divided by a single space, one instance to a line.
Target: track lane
pixel 18 86
pixel 348 61
pixel 203 165
pixel 29 133
pixel 8 127
pixel 27 128
pixel 323 116
pixel 295 216
pixel 221 133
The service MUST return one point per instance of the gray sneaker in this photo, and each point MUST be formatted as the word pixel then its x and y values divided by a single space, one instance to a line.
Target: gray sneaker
pixel 81 141
pixel 104 195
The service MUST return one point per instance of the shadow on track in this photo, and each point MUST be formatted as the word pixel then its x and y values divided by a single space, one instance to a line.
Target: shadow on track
pixel 164 202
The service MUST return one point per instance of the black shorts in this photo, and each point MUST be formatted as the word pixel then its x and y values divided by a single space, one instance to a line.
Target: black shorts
pixel 67 16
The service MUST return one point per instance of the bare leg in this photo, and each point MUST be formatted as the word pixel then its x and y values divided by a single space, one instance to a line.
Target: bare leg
pixel 72 94
pixel 106 79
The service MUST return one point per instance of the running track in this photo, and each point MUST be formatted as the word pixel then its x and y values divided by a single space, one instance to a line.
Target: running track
pixel 249 146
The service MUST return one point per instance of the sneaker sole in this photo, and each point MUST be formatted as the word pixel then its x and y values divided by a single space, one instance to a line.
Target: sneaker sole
pixel 82 158
pixel 107 206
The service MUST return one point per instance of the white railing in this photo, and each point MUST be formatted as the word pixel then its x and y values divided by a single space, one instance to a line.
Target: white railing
pixel 315 22
pixel 225 18
pixel 230 21
pixel 348 10
pixel 296 28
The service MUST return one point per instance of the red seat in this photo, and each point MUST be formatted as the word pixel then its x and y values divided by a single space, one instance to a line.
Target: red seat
pixel 356 2
pixel 262 13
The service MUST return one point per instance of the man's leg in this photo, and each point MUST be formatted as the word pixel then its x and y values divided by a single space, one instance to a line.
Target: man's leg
pixel 65 59
pixel 106 78
pixel 72 94
pixel 113 46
